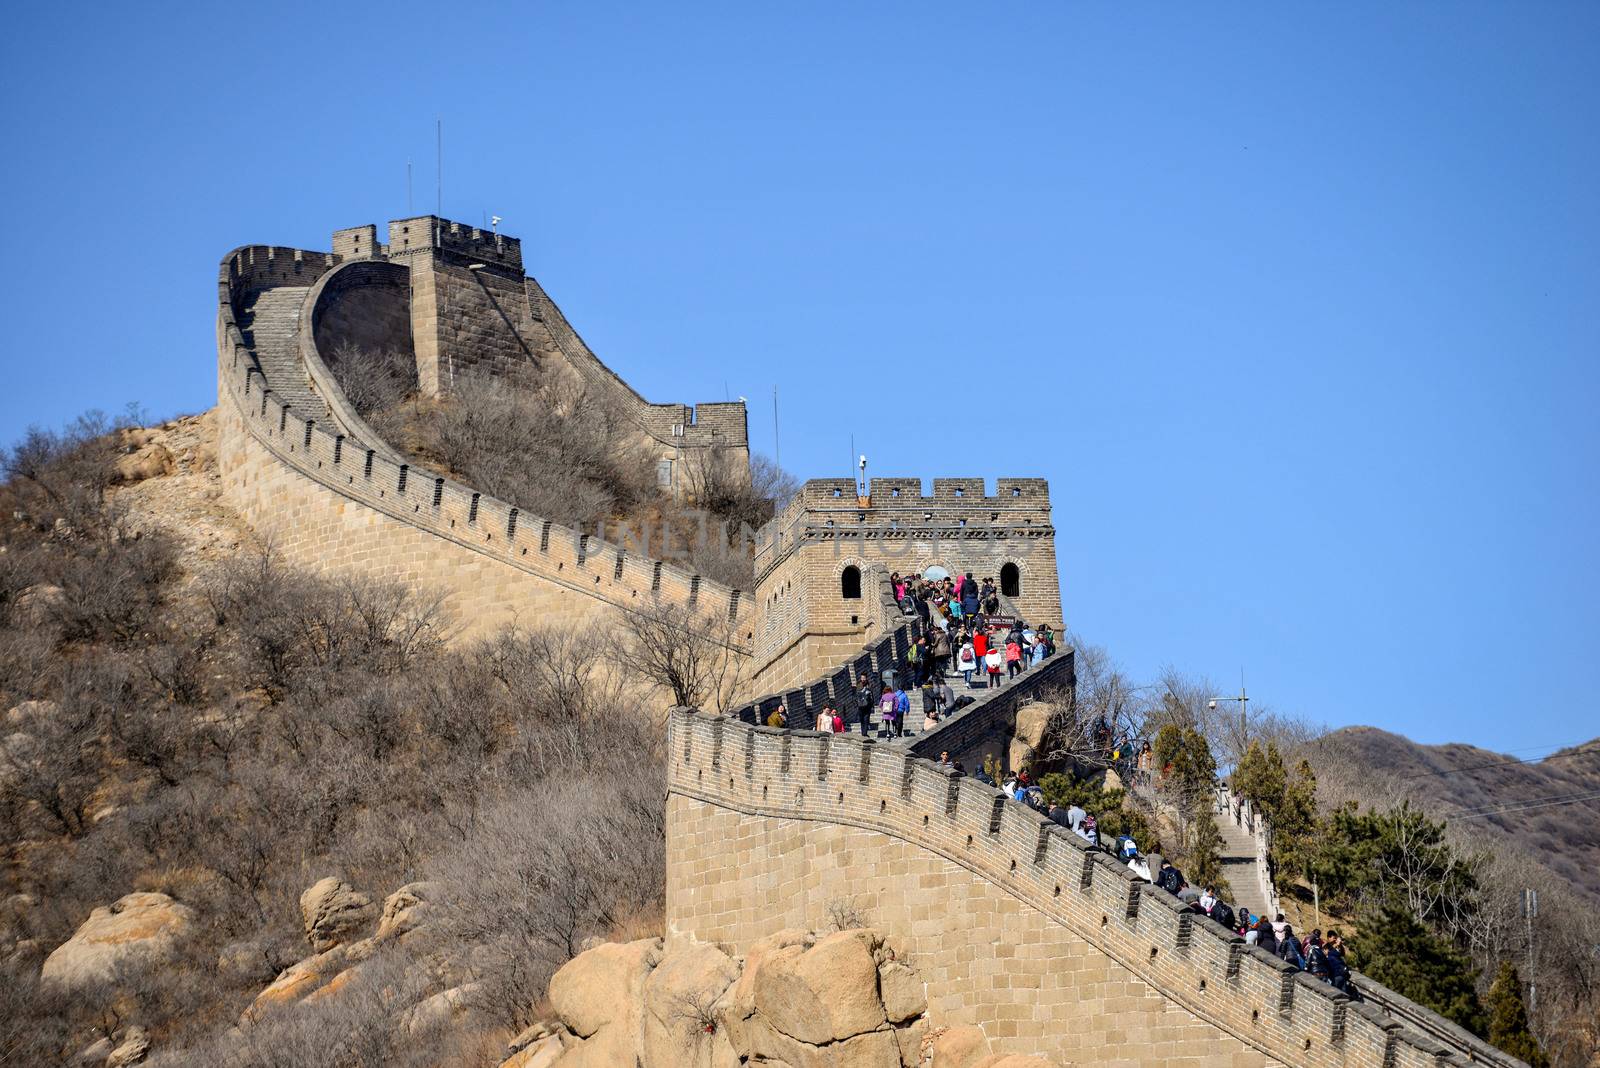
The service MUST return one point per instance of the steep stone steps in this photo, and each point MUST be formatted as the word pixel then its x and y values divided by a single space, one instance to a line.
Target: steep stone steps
pixel 271 327
pixel 1239 865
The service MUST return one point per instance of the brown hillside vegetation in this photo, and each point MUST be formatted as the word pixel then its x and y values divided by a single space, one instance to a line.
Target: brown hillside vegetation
pixel 1480 790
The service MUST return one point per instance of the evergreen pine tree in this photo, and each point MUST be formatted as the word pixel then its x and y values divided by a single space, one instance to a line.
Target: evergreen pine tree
pixel 1411 960
pixel 1205 856
pixel 1508 1019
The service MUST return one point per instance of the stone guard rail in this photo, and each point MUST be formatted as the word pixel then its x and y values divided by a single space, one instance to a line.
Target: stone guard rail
pixel 1464 1042
pixel 413 495
pixel 1208 971
pixel 981 723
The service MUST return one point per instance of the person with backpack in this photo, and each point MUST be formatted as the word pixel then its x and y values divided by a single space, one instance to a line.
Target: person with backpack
pixel 902 709
pixel 967 661
pixel 1289 949
pixel 886 712
pixel 993 660
pixel 864 704
pixel 1222 912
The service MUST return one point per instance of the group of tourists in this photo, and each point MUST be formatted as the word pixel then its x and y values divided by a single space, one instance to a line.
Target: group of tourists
pixel 983 648
pixel 962 629
pixel 1320 955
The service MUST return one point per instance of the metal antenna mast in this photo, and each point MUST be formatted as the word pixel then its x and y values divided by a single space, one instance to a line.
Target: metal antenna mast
pixel 438 135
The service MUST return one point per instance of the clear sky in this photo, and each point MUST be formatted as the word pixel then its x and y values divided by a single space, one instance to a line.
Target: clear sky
pixel 1297 308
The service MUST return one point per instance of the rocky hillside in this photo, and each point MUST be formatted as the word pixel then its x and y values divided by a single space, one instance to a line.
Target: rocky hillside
pixel 1494 795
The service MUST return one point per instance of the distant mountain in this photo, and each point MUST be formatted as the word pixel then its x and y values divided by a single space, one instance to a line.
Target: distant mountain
pixel 1519 802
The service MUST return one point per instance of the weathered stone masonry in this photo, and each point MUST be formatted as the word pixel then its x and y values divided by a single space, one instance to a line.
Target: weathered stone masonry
pixel 305 472
pixel 1018 927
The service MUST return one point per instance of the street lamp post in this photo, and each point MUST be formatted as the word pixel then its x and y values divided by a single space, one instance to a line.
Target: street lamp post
pixel 1243 701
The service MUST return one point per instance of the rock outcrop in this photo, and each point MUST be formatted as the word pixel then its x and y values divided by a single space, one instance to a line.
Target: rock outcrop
pixel 334 913
pixel 136 933
pixel 795 1000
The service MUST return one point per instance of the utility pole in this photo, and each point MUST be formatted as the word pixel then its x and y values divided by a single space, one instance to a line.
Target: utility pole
pixel 1530 910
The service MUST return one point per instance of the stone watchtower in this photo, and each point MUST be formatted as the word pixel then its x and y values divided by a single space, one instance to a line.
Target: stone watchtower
pixel 821 562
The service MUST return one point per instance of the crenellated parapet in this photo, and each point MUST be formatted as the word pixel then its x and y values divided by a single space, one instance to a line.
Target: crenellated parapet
pixel 1101 958
pixel 309 474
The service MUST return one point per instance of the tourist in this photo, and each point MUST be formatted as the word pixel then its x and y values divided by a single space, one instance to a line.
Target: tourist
pixel 1013 658
pixel 1316 956
pixel 967 660
pixel 1338 970
pixel 989 597
pixel 825 720
pixel 969 596
pixel 902 709
pixel 944 759
pixel 779 717
pixel 941 654
pixel 886 712
pixel 1208 898
pixel 947 698
pixel 864 704
pixel 994 659
pixel 1289 949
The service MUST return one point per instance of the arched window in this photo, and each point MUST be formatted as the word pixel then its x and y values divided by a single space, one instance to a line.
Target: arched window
pixel 850 583
pixel 1010 581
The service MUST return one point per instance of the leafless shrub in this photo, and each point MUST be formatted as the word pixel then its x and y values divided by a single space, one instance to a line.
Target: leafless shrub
pixel 111 590
pixel 689 654
pixel 696 1013
pixel 551 865
pixel 373 380
pixel 549 448
pixel 845 914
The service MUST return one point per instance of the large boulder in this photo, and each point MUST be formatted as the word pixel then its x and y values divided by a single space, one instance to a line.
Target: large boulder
pixel 684 1000
pixel 335 913
pixel 138 932
pixel 599 985
pixel 147 461
pixel 408 908
pixel 959 1047
pixel 826 993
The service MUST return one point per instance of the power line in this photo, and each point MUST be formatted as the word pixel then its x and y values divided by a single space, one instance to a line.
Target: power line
pixel 1525 806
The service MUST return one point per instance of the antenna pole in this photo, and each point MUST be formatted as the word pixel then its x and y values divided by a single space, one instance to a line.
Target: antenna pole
pixel 409 209
pixel 438 135
pixel 777 455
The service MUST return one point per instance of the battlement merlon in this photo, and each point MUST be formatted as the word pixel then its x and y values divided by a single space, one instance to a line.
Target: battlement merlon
pixel 431 234
pixel 903 499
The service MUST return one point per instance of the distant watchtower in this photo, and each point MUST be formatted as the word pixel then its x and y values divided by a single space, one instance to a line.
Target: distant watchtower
pixel 819 563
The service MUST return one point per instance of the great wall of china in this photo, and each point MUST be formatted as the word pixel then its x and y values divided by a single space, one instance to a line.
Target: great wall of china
pixel 1049 946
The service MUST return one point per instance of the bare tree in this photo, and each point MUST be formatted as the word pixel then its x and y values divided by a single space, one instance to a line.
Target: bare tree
pixel 690 654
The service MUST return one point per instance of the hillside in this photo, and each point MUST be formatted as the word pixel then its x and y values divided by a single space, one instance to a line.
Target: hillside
pixel 1459 781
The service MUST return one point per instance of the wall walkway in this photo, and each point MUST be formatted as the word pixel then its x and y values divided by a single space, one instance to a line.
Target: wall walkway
pixel 1019 927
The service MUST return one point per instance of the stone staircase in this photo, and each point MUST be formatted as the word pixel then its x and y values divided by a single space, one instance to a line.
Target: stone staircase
pixel 271 327
pixel 981 700
pixel 1239 866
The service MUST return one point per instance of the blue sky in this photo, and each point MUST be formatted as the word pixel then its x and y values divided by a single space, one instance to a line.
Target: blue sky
pixel 1298 308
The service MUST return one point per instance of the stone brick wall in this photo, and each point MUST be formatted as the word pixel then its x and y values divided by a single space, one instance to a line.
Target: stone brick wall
pixel 335 504
pixel 959 527
pixel 1018 927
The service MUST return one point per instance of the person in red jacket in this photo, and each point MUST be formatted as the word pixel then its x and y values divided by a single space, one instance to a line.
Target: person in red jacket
pixel 1013 658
